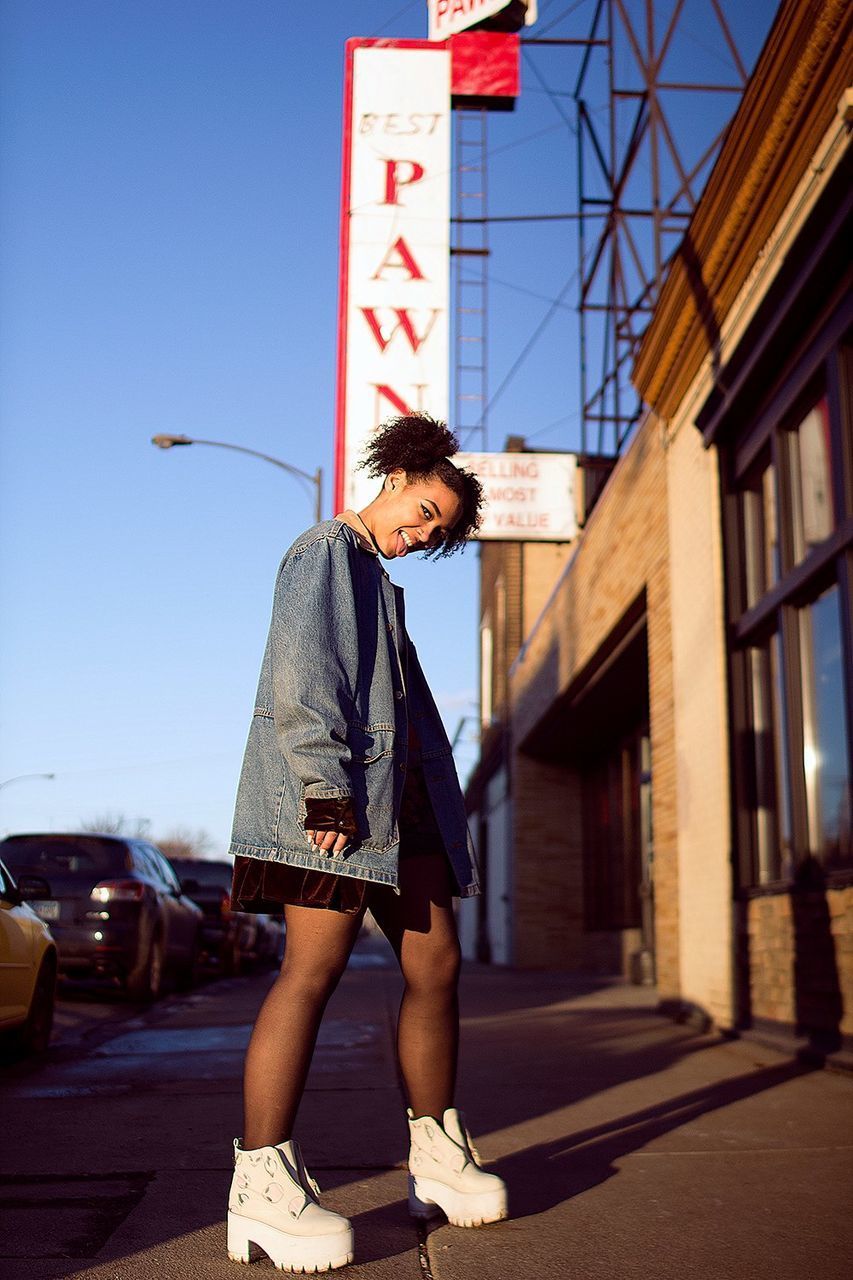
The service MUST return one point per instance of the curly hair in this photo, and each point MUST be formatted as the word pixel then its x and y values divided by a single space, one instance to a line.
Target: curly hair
pixel 422 446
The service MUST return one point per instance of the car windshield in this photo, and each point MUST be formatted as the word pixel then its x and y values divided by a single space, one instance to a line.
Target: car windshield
pixel 206 873
pixel 59 853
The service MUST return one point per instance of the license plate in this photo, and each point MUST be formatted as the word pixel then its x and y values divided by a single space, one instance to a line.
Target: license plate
pixel 46 908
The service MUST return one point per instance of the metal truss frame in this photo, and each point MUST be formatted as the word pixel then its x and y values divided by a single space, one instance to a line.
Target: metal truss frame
pixel 622 245
pixel 624 242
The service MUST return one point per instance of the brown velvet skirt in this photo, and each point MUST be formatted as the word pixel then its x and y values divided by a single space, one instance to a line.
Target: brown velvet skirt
pixel 260 885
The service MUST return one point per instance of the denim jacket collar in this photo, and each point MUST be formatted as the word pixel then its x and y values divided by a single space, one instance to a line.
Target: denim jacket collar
pixel 350 518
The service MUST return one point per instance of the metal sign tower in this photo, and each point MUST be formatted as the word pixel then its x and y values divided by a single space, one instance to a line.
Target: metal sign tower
pixel 636 192
pixel 638 179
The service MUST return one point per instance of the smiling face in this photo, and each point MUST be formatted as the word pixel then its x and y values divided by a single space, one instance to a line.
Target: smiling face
pixel 408 517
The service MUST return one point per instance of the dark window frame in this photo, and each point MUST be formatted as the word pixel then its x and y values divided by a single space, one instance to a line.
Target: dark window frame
pixel 822 365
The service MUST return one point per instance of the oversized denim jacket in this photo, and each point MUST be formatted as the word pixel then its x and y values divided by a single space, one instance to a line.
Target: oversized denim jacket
pixel 339 679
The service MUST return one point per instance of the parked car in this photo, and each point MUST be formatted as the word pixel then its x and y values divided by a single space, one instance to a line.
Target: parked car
pixel 269 944
pixel 27 966
pixel 231 939
pixel 115 908
pixel 227 936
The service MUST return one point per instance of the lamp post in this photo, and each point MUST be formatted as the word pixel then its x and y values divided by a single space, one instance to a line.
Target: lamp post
pixel 20 776
pixel 167 442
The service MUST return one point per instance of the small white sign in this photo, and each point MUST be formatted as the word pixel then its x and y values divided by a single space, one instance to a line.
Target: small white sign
pixel 529 496
pixel 448 17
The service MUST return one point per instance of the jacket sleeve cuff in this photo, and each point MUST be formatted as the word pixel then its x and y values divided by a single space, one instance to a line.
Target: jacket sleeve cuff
pixel 326 813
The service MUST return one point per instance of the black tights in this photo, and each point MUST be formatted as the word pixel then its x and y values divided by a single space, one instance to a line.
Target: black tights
pixel 421 928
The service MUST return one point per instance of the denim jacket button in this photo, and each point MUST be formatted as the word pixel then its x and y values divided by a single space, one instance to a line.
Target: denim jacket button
pixel 398 693
pixel 390 626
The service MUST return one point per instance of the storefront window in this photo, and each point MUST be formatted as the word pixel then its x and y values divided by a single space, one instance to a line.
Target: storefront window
pixel 761 533
pixel 825 746
pixel 791 632
pixel 771 791
pixel 810 469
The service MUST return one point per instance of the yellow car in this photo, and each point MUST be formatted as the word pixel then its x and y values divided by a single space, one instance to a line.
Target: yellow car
pixel 27 965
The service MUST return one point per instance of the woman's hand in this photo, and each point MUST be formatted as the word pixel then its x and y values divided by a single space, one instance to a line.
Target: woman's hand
pixel 331 842
pixel 330 823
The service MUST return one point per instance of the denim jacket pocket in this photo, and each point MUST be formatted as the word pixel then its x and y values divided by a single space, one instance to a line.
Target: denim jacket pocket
pixel 372 748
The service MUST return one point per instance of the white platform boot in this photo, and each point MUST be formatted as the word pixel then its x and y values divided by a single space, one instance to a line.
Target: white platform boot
pixel 274 1204
pixel 445 1173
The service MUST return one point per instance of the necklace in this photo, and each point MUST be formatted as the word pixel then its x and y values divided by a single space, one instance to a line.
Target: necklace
pixel 369 534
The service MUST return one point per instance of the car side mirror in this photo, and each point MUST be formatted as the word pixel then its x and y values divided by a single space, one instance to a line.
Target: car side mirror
pixel 32 888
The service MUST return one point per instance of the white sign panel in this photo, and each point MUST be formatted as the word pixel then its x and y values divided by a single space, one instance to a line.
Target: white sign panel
pixel 448 17
pixel 529 496
pixel 394 353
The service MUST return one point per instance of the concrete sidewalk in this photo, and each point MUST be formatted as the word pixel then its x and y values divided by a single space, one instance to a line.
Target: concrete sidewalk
pixel 632 1147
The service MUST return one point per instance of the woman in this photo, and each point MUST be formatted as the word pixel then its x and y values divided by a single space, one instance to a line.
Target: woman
pixel 349 800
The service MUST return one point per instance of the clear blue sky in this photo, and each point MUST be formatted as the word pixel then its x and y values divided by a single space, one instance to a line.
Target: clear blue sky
pixel 168 241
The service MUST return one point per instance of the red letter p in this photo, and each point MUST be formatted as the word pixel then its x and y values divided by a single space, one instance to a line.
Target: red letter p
pixel 395 179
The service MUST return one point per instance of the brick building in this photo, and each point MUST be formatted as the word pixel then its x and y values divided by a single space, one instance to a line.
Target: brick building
pixel 664 785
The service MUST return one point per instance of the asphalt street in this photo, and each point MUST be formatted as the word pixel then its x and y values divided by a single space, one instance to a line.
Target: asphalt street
pixel 633 1147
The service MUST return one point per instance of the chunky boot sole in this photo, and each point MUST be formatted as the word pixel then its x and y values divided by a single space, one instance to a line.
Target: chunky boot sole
pixel 288 1252
pixel 462 1208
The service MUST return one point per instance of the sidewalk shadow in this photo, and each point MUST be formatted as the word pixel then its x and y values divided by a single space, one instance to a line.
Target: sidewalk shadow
pixel 550 1173
pixel 606 1048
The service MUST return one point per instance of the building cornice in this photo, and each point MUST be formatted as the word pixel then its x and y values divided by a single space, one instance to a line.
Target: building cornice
pixel 788 104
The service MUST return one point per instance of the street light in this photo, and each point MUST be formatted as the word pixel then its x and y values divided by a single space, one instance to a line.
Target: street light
pixel 166 442
pixel 20 776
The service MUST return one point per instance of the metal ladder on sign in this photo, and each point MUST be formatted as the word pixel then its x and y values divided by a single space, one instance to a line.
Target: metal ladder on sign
pixel 470 254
